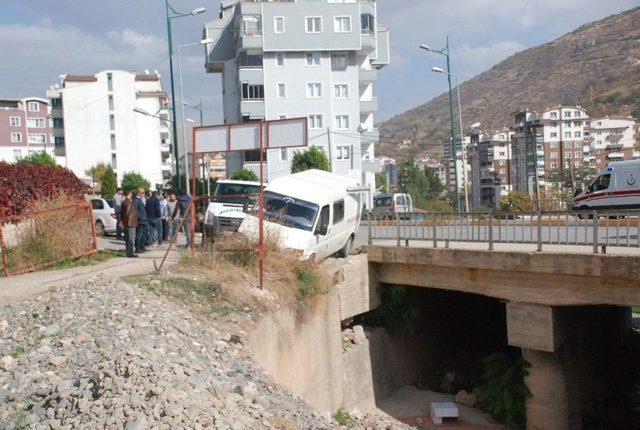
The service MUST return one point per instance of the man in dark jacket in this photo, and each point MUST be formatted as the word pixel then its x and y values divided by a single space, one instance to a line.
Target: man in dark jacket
pixel 141 230
pixel 129 222
pixel 184 201
pixel 154 219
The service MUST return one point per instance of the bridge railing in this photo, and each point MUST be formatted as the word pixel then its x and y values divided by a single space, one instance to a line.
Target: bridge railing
pixel 596 229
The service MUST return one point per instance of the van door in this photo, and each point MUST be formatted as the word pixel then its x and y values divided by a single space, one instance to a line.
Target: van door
pixel 600 192
pixel 322 233
pixel 338 235
pixel 400 203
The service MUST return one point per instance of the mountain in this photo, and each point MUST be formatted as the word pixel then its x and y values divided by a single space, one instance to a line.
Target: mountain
pixel 597 66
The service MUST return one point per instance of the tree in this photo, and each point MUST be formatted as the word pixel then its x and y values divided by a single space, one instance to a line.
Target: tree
pixel 381 182
pixel 516 201
pixel 96 172
pixel 563 183
pixel 413 181
pixel 108 183
pixel 312 158
pixel 244 175
pixel 41 158
pixel 435 188
pixel 133 181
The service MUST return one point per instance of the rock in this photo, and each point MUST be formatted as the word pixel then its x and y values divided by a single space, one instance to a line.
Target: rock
pixel 466 399
pixel 140 423
pixel 58 360
pixel 358 335
pixel 3 325
pixel 6 362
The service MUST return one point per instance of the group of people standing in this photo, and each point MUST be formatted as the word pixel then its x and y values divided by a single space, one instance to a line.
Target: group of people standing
pixel 150 217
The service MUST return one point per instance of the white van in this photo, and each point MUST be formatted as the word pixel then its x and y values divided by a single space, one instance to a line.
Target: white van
pixel 617 187
pixel 314 213
pixel 230 202
pixel 392 203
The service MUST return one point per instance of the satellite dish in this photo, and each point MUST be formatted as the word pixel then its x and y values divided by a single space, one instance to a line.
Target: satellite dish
pixel 146 71
pixel 56 86
pixel 156 72
pixel 362 128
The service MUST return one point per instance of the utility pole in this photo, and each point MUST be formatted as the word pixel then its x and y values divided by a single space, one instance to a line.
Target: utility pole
pixel 173 97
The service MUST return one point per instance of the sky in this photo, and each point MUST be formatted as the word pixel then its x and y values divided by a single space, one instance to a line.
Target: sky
pixel 42 39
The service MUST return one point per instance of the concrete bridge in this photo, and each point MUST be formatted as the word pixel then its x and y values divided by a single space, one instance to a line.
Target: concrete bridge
pixel 565 312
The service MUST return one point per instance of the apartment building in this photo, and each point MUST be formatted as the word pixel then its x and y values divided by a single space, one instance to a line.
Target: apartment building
pixel 612 138
pixel 489 157
pixel 565 138
pixel 448 175
pixel 96 122
pixel 25 127
pixel 307 58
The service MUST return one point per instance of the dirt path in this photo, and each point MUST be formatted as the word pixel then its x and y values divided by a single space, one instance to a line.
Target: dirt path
pixel 16 288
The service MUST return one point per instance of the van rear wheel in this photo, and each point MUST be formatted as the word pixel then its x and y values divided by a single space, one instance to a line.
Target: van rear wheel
pixel 346 249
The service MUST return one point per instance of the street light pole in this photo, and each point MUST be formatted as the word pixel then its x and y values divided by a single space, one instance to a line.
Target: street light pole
pixel 462 144
pixel 172 14
pixel 454 147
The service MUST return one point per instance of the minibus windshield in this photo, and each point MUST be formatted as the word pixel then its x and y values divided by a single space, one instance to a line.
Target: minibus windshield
pixel 290 212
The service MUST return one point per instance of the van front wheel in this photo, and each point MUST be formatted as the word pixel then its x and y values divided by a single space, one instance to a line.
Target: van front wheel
pixel 346 249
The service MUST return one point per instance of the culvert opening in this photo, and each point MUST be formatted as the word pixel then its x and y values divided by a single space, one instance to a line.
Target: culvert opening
pixel 428 345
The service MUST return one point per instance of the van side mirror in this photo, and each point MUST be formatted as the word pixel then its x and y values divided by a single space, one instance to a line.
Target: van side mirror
pixel 323 223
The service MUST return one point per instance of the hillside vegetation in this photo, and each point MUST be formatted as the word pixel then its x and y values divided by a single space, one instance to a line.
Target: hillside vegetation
pixel 596 66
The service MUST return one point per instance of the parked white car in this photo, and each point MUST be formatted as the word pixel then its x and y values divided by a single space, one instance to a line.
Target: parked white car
pixel 104 215
pixel 617 187
pixel 231 199
pixel 314 213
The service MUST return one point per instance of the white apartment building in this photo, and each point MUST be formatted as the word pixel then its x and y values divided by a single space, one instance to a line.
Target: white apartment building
pixel 612 138
pixel 307 58
pixel 565 137
pixel 96 122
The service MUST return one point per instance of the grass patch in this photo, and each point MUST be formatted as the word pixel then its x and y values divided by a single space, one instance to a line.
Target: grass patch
pixel 344 418
pixel 205 295
pixel 308 283
pixel 90 260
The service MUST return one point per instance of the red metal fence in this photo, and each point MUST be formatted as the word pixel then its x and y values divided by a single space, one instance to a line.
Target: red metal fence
pixel 39 239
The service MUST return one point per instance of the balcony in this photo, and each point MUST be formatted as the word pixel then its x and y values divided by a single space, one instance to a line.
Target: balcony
pixel 252 108
pixel 251 75
pixel 369 106
pixel 367 76
pixel 165 148
pixel 371 136
pixel 615 155
pixel 368 40
pixel 371 166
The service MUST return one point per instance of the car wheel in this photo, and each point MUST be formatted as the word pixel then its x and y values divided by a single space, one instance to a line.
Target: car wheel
pixel 346 249
pixel 100 228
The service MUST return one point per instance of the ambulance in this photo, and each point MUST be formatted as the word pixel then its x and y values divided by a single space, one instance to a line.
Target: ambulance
pixel 617 187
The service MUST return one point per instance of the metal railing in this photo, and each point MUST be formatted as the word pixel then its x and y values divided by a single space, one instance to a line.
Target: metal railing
pixel 596 229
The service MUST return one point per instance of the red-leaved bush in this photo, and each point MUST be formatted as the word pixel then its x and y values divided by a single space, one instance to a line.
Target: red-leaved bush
pixel 21 185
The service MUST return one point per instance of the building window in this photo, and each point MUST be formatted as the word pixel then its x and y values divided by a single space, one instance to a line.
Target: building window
pixel 577 164
pixel 553 155
pixel 35 122
pixel 554 165
pixel 109 82
pixel 343 153
pixel 252 92
pixel 568 145
pixel 16 137
pixel 576 154
pixel 282 117
pixel 279 59
pixel 17 153
pixel 577 123
pixel 15 121
pixel 503 171
pixel 33 106
pixel 56 102
pixel 250 61
pixel 567 114
pixel 567 154
pixel 313 24
pixel 110 102
pixel 284 154
pixel 278 24
pixel 52 138
pixel 578 134
pixel 554 124
pixel 554 135
pixel 599 124
pixel 50 122
pixel 252 25
pixel 342 24
pixel 577 114
pixel 36 138
pixel 313 59
pixel 314 90
pixel 341 91
pixel 282 91
pixel 554 114
pixel 342 122
pixel 315 121
pixel 501 162
pixel 339 62
pixel 58 123
pixel 367 23
pixel 338 211
pixel 254 156
pixel 567 134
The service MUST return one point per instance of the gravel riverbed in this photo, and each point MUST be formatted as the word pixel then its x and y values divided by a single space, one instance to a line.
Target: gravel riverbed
pixel 105 354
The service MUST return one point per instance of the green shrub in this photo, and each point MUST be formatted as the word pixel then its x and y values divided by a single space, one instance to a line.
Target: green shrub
pixel 398 311
pixel 108 183
pixel 241 257
pixel 132 181
pixel 344 418
pixel 307 280
pixel 244 175
pixel 312 158
pixel 504 392
pixel 41 158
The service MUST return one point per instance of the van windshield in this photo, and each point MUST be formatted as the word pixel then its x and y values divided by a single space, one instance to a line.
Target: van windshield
pixel 382 202
pixel 290 212
pixel 245 193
